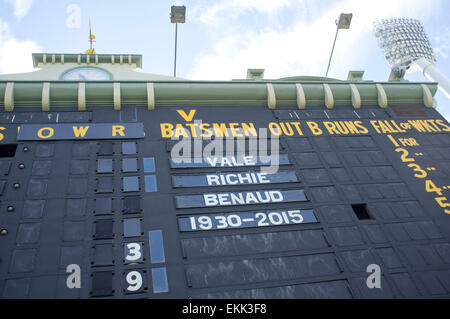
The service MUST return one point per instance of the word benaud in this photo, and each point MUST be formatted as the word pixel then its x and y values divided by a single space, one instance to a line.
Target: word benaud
pixel 240 198
pixel 228 161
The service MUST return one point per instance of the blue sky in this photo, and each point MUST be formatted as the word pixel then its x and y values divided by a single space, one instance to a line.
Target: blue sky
pixel 221 39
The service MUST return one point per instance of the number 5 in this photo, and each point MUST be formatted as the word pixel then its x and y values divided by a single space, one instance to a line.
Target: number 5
pixel 440 201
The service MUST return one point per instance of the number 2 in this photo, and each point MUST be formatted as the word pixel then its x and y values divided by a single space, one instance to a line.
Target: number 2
pixel 404 156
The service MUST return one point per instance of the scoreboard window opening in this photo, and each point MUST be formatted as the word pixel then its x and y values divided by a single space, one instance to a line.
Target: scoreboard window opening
pixel 361 211
pixel 8 150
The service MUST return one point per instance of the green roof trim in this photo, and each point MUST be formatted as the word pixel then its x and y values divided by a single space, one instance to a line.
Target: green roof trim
pixel 213 93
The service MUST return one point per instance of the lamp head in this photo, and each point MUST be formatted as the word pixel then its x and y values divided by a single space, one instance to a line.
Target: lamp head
pixel 178 14
pixel 403 41
pixel 344 20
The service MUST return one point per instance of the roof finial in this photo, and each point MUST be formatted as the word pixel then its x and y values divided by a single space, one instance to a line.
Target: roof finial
pixel 91 40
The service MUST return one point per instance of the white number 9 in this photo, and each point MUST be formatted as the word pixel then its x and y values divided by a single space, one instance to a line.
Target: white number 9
pixel 205 222
pixel 134 279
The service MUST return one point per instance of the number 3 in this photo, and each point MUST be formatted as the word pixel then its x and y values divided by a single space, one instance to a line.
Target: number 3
pixel 134 250
pixel 417 168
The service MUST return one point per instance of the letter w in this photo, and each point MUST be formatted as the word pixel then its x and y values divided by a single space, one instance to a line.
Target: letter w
pixel 80 131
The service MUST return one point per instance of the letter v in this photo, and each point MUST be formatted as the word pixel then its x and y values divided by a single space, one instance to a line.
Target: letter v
pixel 186 117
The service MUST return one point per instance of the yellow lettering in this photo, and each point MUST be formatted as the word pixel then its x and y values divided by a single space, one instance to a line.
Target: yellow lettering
pixel 204 128
pixel 417 125
pixel 297 127
pixel 434 125
pixel 1 134
pixel 50 132
pixel 287 128
pixel 422 126
pixel 385 128
pixel 331 127
pixel 80 131
pixel 375 126
pixel 180 130
pixel 118 129
pixel 399 130
pixel 363 129
pixel 273 126
pixel 235 131
pixel 187 117
pixel 314 127
pixel 249 128
pixel 193 128
pixel 351 127
pixel 442 123
pixel 166 130
pixel 220 130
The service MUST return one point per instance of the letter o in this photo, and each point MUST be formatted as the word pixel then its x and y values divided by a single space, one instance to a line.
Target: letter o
pixel 273 126
pixel 50 132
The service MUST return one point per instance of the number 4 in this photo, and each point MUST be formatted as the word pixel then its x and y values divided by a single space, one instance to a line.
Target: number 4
pixel 432 188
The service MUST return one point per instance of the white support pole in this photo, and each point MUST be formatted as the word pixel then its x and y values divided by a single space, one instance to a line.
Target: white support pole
pixel 429 70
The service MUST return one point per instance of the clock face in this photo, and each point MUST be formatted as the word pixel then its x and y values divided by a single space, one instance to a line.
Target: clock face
pixel 86 74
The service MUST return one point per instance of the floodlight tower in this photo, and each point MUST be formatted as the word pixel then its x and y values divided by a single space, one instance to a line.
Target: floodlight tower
pixel 177 15
pixel 407 48
pixel 343 22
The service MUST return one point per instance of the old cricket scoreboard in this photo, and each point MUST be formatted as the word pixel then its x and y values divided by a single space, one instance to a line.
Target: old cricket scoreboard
pixel 95 205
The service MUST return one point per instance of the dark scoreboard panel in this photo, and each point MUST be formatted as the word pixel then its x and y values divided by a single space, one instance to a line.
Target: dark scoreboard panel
pixel 111 204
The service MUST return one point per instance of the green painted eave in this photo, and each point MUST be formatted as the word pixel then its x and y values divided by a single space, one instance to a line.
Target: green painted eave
pixel 214 93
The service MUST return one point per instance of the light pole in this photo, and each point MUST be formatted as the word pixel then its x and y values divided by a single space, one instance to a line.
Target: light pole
pixel 343 22
pixel 406 47
pixel 177 15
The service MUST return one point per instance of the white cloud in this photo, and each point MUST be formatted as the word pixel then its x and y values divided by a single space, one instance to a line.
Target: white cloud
pixel 442 47
pixel 301 48
pixel 15 55
pixel 225 10
pixel 21 7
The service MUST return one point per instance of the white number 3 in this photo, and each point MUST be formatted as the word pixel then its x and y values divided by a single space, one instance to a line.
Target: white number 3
pixel 134 250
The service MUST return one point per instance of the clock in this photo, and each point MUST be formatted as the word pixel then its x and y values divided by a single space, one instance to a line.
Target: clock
pixel 86 74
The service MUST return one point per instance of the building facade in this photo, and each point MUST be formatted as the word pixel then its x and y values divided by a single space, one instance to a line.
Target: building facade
pixel 119 184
